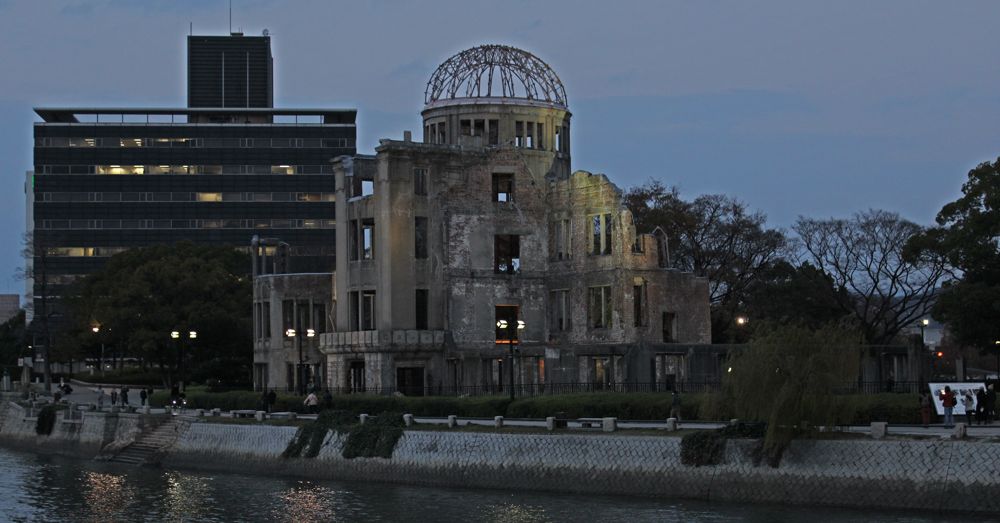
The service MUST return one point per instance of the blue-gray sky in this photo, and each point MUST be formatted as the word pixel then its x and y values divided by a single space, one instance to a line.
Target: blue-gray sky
pixel 798 108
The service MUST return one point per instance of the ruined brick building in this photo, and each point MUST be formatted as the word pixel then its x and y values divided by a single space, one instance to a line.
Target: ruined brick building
pixel 483 223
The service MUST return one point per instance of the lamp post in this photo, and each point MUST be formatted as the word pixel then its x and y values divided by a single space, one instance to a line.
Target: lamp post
pixel 923 325
pixel 192 335
pixel 96 329
pixel 996 347
pixel 511 340
pixel 310 333
pixel 176 336
pixel 742 321
pixel 298 345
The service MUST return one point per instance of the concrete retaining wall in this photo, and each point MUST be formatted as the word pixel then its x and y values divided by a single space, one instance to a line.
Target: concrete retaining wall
pixel 931 475
pixel 84 436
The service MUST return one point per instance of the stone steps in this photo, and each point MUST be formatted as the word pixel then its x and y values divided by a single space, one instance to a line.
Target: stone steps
pixel 149 444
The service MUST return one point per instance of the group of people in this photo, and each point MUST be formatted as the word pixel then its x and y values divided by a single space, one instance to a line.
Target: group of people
pixel 119 396
pixel 982 405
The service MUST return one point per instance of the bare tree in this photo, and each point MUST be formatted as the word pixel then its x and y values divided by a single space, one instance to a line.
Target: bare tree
pixel 864 256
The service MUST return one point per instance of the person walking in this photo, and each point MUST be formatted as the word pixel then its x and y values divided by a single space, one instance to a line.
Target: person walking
pixel 925 408
pixel 675 405
pixel 948 402
pixel 124 396
pixel 114 397
pixel 100 398
pixel 969 404
pixel 143 395
pixel 311 402
pixel 272 399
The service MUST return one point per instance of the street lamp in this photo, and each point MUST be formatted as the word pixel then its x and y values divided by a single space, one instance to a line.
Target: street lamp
pixel 298 345
pixel 512 339
pixel 923 325
pixel 96 329
pixel 176 336
pixel 742 320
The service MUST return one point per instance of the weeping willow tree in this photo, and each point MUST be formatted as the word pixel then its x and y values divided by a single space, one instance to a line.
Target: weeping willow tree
pixel 787 377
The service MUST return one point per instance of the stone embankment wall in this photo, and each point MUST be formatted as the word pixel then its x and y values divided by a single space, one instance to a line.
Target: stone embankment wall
pixel 909 474
pixel 86 434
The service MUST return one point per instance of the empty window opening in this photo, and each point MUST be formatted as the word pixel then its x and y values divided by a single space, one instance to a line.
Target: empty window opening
pixel 559 310
pixel 562 239
pixel 367 187
pixel 494 132
pixel 420 181
pixel 558 140
pixel 638 305
pixel 354 309
pixel 530 136
pixel 420 237
pixel 506 323
pixel 479 128
pixel 354 247
pixel 442 133
pixel 420 308
pixel 599 307
pixel 669 327
pixel 367 239
pixel 601 224
pixel 357 376
pixel 506 253
pixel 465 127
pixel 503 187
pixel 518 134
pixel 367 310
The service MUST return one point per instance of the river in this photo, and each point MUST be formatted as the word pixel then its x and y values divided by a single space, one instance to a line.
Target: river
pixel 44 488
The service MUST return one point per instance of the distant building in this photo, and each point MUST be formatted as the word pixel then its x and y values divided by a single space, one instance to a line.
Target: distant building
pixel 224 169
pixel 10 305
pixel 481 237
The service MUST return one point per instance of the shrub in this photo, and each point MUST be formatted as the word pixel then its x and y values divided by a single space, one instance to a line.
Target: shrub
pixel 703 447
pixel 46 420
pixel 376 438
pixel 309 437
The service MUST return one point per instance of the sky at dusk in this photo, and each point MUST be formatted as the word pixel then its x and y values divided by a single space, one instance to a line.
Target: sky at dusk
pixel 797 108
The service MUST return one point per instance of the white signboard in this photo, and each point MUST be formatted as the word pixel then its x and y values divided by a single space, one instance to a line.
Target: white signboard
pixel 958 389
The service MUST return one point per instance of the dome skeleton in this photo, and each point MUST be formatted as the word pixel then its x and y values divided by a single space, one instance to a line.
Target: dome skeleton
pixel 474 71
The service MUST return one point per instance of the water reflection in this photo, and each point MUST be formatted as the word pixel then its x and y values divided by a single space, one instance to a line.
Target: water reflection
pixel 306 502
pixel 106 497
pixel 37 488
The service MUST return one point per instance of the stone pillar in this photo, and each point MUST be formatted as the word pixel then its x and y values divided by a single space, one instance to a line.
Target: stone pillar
pixel 960 432
pixel 452 421
pixel 498 422
pixel 671 424
pixel 408 420
pixel 879 429
pixel 550 423
pixel 259 415
pixel 609 424
pixel 363 418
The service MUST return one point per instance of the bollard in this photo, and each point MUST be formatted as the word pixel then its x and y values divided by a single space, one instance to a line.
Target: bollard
pixel 408 420
pixel 671 424
pixel 363 418
pixel 550 423
pixel 452 421
pixel 259 415
pixel 734 421
pixel 498 422
pixel 879 429
pixel 609 424
pixel 961 431
pixel 293 416
pixel 145 410
pixel 216 412
pixel 199 412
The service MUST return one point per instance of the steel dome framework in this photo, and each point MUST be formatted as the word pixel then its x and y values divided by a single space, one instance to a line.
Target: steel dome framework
pixel 490 71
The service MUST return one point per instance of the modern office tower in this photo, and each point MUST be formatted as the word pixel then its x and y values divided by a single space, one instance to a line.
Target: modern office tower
pixel 230 71
pixel 109 179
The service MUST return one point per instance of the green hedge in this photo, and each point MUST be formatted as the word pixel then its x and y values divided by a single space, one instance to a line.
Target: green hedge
pixel 853 409
pixel 46 420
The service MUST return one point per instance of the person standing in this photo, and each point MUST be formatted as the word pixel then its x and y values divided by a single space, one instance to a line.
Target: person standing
pixel 969 404
pixel 311 402
pixel 124 396
pixel 948 402
pixel 981 405
pixel 991 403
pixel 925 408
pixel 100 398
pixel 142 397
pixel 272 398
pixel 114 397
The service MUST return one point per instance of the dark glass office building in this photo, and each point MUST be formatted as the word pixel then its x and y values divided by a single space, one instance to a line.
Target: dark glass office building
pixel 106 180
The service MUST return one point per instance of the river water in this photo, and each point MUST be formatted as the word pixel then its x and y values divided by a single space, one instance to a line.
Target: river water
pixel 44 488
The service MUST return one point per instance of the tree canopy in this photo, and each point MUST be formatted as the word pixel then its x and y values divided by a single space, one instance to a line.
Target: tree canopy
pixel 143 294
pixel 864 257
pixel 967 235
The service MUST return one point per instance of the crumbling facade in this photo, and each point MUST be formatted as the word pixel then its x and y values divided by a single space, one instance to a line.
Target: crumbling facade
pixel 481 238
pixel 483 224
